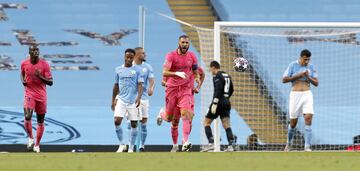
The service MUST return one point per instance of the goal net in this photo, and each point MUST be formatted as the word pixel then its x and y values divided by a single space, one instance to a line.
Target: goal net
pixel 259 115
pixel 260 102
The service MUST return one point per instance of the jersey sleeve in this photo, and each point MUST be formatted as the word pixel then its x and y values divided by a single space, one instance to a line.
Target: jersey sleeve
pixel 47 71
pixel 168 61
pixel 288 71
pixel 195 62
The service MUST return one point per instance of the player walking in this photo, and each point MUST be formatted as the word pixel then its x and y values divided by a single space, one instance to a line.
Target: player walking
pixel 35 75
pixel 220 106
pixel 126 97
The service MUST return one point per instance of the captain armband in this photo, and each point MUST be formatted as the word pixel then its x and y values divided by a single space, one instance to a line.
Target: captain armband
pixel 194 67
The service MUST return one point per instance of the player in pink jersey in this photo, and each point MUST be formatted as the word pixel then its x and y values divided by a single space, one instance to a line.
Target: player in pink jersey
pixel 179 66
pixel 35 75
pixel 176 112
pixel 195 89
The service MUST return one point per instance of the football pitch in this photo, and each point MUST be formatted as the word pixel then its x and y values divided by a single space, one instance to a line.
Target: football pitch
pixel 159 161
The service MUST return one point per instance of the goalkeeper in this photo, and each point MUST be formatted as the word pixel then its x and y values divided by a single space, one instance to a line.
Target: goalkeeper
pixel 220 106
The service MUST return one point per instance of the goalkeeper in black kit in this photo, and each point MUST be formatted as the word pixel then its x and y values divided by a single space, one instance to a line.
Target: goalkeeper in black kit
pixel 220 106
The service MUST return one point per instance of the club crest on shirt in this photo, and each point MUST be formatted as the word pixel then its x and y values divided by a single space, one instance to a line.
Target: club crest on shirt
pixel 144 70
pixel 133 72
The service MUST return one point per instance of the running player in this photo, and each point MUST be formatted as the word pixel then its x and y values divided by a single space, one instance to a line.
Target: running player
pixel 176 121
pixel 179 66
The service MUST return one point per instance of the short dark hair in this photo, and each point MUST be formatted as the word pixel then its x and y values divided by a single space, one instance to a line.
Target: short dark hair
pixel 183 36
pixel 33 46
pixel 305 52
pixel 138 48
pixel 215 64
pixel 130 51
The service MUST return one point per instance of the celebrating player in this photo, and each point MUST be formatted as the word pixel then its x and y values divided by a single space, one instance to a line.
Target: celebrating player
pixel 301 73
pixel 176 121
pixel 127 92
pixel 35 75
pixel 220 106
pixel 179 66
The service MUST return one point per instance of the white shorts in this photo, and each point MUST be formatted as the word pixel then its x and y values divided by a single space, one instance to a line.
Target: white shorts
pixel 300 102
pixel 144 108
pixel 122 108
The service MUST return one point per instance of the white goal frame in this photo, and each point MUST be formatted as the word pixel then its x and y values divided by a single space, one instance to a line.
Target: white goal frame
pixel 217 45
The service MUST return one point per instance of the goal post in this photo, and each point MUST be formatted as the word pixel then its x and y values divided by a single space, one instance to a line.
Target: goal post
pixel 261 100
pixel 259 115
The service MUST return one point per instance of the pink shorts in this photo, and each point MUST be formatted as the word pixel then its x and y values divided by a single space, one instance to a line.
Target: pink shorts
pixel 177 98
pixel 38 106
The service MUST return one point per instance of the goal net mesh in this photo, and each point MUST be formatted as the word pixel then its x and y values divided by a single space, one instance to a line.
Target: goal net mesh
pixel 259 113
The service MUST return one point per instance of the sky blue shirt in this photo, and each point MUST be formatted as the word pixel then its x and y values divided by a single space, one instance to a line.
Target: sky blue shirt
pixel 295 68
pixel 147 73
pixel 128 79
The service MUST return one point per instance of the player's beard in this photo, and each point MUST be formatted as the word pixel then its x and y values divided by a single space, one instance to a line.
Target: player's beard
pixel 183 49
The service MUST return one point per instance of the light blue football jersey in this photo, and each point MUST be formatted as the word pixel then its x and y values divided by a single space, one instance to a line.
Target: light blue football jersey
pixel 128 79
pixel 295 68
pixel 147 73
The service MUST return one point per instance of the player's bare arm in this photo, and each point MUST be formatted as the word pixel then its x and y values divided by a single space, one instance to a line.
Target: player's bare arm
pixel 22 78
pixel 151 86
pixel 47 81
pixel 295 77
pixel 202 78
pixel 163 82
pixel 197 78
pixel 168 73
pixel 312 80
pixel 115 92
pixel 140 92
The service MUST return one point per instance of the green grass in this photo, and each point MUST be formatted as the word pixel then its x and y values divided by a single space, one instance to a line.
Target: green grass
pixel 240 161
